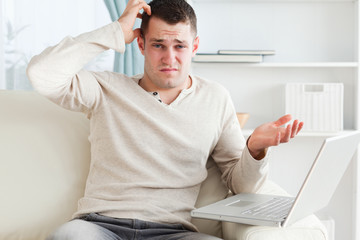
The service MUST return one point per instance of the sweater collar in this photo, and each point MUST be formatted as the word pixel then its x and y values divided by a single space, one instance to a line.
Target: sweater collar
pixel 186 91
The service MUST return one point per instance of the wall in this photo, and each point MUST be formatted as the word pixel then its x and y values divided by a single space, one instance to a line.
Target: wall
pixel 280 26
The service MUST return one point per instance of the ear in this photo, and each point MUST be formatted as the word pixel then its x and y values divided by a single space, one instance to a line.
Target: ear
pixel 195 46
pixel 141 44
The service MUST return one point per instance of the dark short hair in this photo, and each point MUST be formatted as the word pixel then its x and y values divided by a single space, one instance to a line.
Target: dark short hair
pixel 170 11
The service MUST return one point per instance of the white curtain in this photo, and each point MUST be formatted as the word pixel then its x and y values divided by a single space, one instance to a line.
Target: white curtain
pixel 29 26
pixel 2 63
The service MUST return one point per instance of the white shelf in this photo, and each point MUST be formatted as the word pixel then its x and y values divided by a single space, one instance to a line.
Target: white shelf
pixel 248 132
pixel 292 64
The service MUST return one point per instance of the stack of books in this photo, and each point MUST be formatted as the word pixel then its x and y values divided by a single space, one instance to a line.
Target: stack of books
pixel 242 56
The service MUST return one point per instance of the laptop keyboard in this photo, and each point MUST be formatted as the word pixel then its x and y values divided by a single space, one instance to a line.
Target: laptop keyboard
pixel 276 208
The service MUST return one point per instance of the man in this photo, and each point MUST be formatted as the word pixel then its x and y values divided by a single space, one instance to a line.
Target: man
pixel 151 134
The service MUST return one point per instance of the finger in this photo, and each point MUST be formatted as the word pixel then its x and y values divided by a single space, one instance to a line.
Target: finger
pixel 294 128
pixel 141 5
pixel 286 136
pixel 145 6
pixel 147 9
pixel 277 139
pixel 284 119
pixel 301 124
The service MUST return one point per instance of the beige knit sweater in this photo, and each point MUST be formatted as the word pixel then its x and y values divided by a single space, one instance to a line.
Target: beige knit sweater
pixel 147 158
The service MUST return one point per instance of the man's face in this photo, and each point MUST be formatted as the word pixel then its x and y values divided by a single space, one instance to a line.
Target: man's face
pixel 168 50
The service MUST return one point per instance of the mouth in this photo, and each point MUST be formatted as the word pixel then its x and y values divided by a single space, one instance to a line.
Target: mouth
pixel 168 70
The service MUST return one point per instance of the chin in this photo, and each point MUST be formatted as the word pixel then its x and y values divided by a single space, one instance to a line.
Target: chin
pixel 168 85
pixel 169 82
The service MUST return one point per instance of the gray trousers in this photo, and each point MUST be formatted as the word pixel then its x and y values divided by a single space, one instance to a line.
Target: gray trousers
pixel 96 227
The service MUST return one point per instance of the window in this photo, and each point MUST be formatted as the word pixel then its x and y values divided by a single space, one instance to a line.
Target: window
pixel 29 26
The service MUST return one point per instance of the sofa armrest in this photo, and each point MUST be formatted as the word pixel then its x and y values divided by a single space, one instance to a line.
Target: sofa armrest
pixel 44 159
pixel 308 228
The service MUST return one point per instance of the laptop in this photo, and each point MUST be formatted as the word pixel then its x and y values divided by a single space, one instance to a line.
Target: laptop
pixel 315 193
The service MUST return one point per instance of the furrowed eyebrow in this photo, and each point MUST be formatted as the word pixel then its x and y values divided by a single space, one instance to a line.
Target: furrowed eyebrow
pixel 179 41
pixel 156 40
pixel 162 40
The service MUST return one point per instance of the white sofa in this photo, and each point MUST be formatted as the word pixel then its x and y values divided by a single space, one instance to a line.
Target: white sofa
pixel 44 161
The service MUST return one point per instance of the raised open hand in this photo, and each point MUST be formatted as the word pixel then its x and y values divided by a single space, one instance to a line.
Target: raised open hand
pixel 272 134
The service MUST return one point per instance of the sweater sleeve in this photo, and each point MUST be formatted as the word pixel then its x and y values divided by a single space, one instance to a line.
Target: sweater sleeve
pixel 57 72
pixel 240 171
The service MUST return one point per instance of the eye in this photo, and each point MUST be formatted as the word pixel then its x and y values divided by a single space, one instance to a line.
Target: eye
pixel 180 46
pixel 157 45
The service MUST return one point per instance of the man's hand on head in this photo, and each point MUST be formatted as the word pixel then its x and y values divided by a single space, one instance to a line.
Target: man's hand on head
pixel 127 19
pixel 272 134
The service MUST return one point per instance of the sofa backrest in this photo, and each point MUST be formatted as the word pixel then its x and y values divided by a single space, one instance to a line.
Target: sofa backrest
pixel 44 162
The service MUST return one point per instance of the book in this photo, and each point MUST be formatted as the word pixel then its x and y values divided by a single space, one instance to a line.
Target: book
pixel 247 52
pixel 207 57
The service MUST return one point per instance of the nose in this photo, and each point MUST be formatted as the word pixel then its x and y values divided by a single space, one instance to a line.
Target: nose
pixel 169 57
